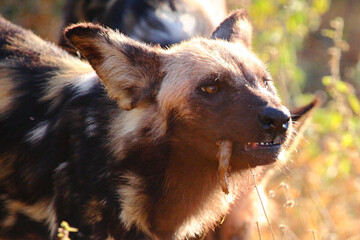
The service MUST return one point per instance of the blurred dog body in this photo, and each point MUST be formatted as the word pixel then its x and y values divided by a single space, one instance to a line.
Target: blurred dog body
pixel 163 22
pixel 128 151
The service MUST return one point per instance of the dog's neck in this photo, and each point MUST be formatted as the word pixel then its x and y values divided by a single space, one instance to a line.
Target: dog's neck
pixel 192 192
pixel 188 186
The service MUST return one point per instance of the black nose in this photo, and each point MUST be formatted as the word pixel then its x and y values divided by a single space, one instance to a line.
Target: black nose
pixel 273 118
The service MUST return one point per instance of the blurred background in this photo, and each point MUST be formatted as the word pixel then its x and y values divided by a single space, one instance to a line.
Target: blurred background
pixel 311 47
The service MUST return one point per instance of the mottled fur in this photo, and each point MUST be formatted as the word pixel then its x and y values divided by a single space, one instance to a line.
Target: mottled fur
pixel 161 22
pixel 127 151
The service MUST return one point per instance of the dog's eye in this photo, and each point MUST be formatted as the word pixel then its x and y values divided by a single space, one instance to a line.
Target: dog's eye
pixel 210 89
pixel 267 82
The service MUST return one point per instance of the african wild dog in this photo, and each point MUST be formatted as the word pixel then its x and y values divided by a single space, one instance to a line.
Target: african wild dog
pixel 161 22
pixel 131 150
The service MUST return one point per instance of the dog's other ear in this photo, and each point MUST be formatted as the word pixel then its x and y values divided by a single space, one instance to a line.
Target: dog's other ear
pixel 300 117
pixel 235 28
pixel 130 71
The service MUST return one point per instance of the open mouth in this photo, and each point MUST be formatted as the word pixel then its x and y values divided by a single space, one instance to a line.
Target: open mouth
pixel 261 153
pixel 250 146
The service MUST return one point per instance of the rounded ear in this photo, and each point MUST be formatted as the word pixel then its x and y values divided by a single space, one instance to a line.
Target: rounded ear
pixel 131 71
pixel 235 28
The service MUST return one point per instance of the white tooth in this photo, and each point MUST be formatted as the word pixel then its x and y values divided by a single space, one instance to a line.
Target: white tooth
pixel 261 143
pixel 248 143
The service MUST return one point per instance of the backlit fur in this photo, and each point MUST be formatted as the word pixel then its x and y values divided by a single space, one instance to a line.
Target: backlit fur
pixel 127 150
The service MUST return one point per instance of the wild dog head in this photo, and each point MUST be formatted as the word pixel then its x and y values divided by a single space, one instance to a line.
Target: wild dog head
pixel 203 90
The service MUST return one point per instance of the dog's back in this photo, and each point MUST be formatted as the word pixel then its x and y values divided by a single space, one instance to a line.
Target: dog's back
pixel 161 22
pixel 42 91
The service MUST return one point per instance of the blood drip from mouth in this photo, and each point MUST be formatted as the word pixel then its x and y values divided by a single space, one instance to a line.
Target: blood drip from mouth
pixel 224 155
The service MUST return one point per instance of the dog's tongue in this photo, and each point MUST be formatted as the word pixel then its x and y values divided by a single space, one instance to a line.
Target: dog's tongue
pixel 224 155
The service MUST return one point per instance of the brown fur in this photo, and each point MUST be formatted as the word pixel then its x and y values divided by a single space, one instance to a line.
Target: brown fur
pixel 130 152
pixel 6 90
pixel 223 59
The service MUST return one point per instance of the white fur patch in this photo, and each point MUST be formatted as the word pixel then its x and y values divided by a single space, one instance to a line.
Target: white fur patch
pixel 61 167
pixel 125 124
pixel 75 73
pixel 214 9
pixel 38 133
pixel 84 83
